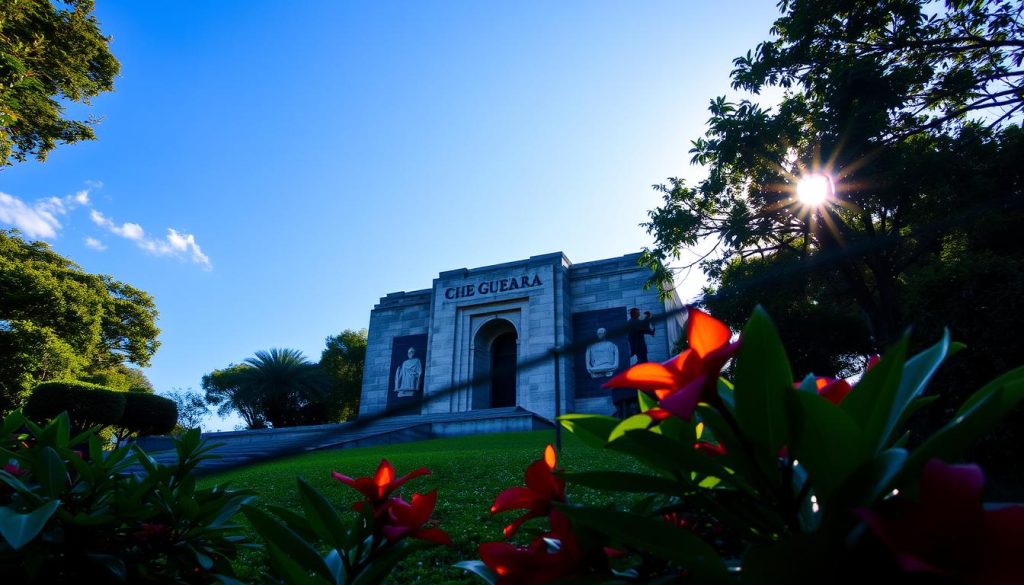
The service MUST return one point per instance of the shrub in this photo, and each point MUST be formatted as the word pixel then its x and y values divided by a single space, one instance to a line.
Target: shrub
pixel 73 517
pixel 86 404
pixel 148 414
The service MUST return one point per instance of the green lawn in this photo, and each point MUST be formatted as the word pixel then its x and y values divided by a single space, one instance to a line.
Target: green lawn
pixel 468 473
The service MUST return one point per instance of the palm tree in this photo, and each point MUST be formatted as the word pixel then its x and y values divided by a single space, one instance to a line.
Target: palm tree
pixel 288 389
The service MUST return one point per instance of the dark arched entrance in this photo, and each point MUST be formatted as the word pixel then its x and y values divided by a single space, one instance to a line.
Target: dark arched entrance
pixel 495 353
pixel 503 370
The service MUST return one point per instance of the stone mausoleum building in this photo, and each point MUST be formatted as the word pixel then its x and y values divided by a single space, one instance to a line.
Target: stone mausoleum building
pixel 479 323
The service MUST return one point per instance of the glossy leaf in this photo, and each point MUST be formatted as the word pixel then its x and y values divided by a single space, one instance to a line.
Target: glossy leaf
pixel 322 516
pixel 656 537
pixel 763 379
pixel 870 404
pixel 592 429
pixel 19 529
pixel 290 543
pixel 479 569
pixel 826 441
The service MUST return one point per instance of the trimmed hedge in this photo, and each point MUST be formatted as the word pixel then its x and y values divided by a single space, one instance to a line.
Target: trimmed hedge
pixel 86 404
pixel 91 405
pixel 148 414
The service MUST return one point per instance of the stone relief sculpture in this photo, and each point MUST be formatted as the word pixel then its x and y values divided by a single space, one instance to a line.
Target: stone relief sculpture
pixel 408 375
pixel 602 357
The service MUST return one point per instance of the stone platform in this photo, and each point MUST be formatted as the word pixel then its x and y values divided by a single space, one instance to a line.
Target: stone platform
pixel 240 448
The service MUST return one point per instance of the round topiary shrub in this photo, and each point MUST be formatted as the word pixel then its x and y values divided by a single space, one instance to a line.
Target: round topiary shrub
pixel 148 414
pixel 87 404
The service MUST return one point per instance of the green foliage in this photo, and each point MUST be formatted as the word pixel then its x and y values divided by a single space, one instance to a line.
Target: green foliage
pixel 794 473
pixel 59 322
pixel 191 407
pixel 342 362
pixel 87 405
pixel 70 516
pixel 279 387
pixel 147 414
pixel 50 54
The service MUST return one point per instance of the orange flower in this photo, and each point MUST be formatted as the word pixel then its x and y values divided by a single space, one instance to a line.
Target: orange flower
pixel 542 488
pixel 689 378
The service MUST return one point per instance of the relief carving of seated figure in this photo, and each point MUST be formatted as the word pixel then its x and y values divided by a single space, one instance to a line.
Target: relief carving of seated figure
pixel 602 357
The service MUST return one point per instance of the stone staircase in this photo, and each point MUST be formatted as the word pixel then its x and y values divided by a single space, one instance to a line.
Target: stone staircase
pixel 240 448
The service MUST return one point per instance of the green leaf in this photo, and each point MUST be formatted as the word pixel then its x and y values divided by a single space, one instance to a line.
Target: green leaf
pixel 871 403
pixel 292 571
pixel 647 401
pixel 295 521
pixel 479 569
pixel 287 540
pixel 826 441
pixel 626 481
pixel 19 529
pixel 664 454
pixel 869 482
pixel 917 372
pixel 657 537
pixel 763 379
pixel 50 472
pixel 322 516
pixel 981 413
pixel 384 562
pixel 637 422
pixel 592 429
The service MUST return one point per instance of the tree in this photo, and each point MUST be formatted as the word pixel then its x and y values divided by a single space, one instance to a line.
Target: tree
pixel 50 54
pixel 913 109
pixel 280 387
pixel 342 361
pixel 855 113
pixel 192 408
pixel 225 391
pixel 60 322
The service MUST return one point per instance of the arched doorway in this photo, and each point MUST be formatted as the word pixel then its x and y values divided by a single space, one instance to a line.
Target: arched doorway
pixel 503 370
pixel 495 353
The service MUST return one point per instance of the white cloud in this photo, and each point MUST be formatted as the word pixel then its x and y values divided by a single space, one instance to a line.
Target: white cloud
pixel 95 244
pixel 176 243
pixel 36 221
pixel 132 231
pixel 82 197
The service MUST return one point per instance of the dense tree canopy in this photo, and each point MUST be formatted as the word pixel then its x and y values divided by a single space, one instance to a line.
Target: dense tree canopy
pixel 913 110
pixel 885 124
pixel 60 322
pixel 50 54
pixel 342 361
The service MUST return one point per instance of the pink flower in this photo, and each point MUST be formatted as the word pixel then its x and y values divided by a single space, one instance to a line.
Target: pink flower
pixel 948 532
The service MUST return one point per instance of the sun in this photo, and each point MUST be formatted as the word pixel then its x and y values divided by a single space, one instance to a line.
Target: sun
pixel 813 190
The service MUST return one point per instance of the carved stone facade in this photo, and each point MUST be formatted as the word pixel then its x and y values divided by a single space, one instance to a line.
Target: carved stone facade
pixel 496 325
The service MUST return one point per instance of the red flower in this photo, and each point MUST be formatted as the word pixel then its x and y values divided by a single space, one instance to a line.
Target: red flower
pixel 832 389
pixel 690 377
pixel 710 449
pixel 537 563
pixel 378 488
pixel 542 488
pixel 948 532
pixel 405 519
pixel 13 469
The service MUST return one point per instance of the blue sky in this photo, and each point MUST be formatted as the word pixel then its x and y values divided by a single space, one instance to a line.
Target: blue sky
pixel 267 171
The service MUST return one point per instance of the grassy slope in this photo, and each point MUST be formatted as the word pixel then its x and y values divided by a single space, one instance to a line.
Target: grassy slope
pixel 468 473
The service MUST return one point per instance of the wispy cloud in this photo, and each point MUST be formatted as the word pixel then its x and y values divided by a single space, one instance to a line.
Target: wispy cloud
pixel 95 244
pixel 182 245
pixel 39 220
